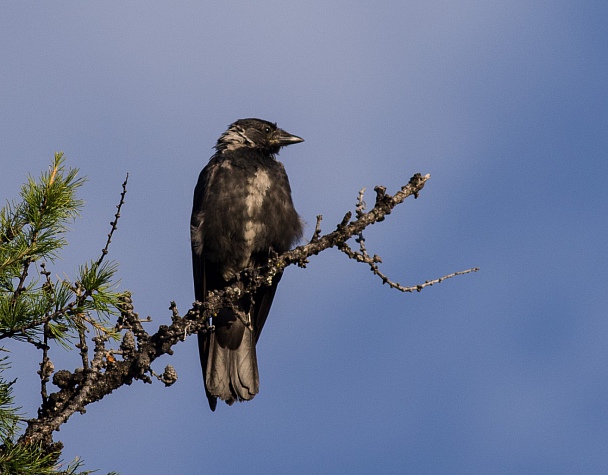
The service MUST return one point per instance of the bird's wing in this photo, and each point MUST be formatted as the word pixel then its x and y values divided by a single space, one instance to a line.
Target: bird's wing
pixel 201 284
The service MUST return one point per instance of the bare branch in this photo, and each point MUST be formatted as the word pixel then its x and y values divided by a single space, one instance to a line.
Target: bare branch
pixel 347 229
pixel 114 223
pixel 139 349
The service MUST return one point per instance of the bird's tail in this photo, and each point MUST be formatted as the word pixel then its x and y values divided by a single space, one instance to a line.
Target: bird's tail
pixel 228 358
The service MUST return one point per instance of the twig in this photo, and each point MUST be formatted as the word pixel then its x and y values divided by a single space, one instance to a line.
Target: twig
pixel 360 203
pixel 317 233
pixel 82 345
pixel 114 223
pixel 373 262
pixel 46 365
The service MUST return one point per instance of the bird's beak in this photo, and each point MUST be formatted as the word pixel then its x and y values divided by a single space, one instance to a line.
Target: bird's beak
pixel 284 138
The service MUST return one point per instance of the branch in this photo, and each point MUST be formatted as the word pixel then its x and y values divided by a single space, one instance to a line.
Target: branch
pixel 373 262
pixel 114 223
pixel 347 228
pixel 139 349
pixel 81 296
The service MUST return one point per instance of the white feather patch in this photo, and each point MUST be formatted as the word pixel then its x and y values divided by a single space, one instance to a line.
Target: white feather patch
pixel 257 187
pixel 235 138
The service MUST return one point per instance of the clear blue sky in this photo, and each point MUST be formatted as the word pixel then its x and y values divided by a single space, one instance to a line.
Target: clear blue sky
pixel 505 104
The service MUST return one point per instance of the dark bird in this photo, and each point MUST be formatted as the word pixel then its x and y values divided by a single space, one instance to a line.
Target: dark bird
pixel 242 212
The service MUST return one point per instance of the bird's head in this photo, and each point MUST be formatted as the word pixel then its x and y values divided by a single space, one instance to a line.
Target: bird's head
pixel 255 133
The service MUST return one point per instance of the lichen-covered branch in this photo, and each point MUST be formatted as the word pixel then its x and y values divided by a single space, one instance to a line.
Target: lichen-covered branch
pixel 110 368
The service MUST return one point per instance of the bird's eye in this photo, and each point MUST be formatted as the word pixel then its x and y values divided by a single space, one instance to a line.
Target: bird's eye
pixel 267 130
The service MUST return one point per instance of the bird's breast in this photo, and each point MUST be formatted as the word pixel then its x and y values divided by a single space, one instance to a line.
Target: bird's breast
pixel 257 188
pixel 247 211
pixel 255 226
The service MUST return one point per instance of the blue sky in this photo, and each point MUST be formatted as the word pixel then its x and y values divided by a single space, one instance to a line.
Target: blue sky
pixel 503 103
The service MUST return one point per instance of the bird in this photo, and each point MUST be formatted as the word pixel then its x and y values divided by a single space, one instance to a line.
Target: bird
pixel 242 214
